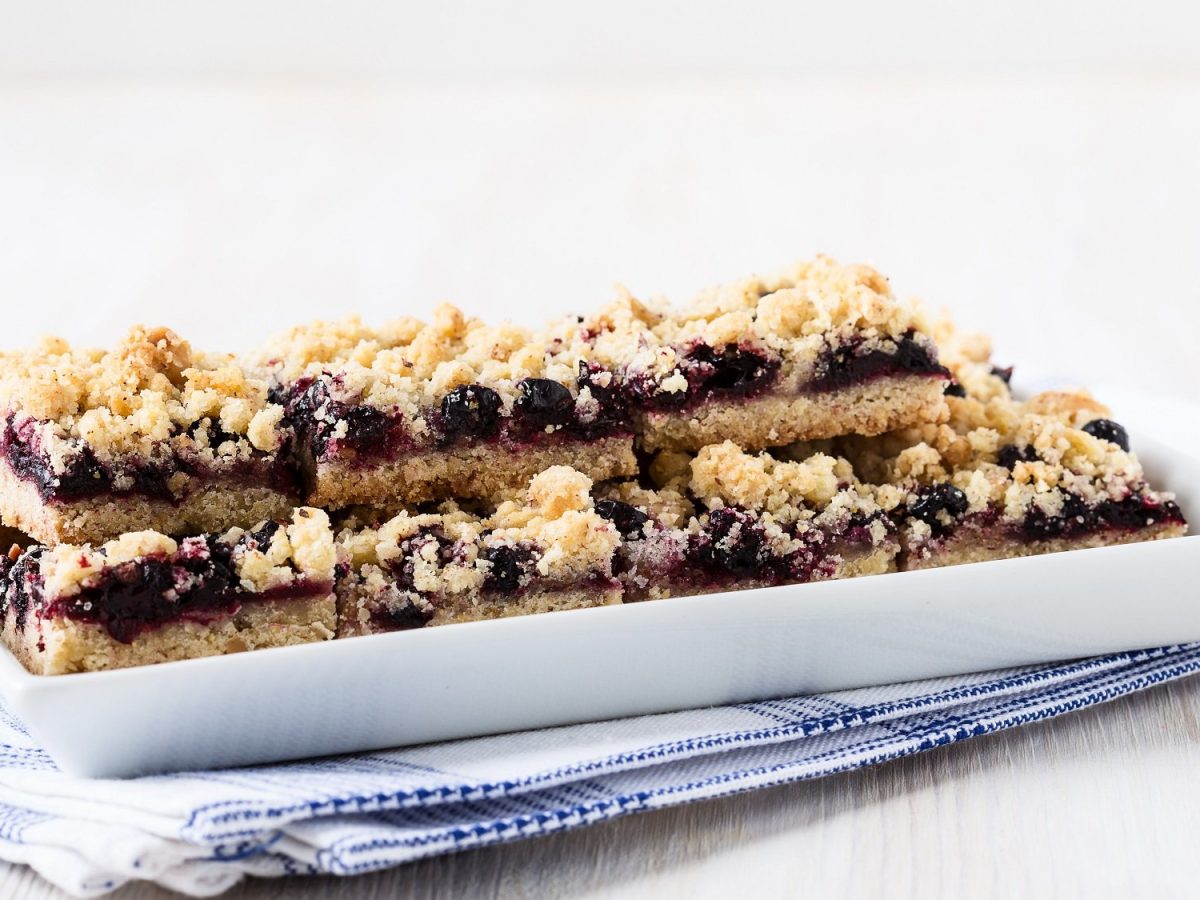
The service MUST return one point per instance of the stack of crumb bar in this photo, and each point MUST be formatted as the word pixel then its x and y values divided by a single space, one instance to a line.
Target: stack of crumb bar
pixel 163 503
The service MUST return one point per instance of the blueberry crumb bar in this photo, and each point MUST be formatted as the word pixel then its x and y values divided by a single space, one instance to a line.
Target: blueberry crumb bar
pixel 821 350
pixel 782 430
pixel 150 435
pixel 755 522
pixel 547 550
pixel 1006 478
pixel 410 412
pixel 147 598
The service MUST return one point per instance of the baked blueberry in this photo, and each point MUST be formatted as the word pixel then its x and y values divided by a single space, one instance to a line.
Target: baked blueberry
pixel 733 369
pixel 507 567
pixel 937 498
pixel 954 389
pixel 366 426
pixel 1108 430
pixel 544 402
pixel 401 617
pixel 1010 454
pixel 628 519
pixel 845 365
pixel 470 410
pixel 735 542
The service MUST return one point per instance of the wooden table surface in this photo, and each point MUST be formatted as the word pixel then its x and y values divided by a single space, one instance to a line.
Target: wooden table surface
pixel 1102 802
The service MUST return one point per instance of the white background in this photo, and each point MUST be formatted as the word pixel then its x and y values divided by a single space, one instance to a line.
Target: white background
pixel 230 168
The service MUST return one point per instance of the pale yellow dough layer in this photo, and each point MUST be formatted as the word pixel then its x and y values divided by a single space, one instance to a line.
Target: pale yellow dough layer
pixel 870 408
pixel 470 472
pixel 971 544
pixel 355 606
pixel 215 507
pixel 64 645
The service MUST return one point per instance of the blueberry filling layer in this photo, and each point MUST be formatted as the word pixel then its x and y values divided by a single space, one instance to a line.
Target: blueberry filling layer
pixel 849 364
pixel 195 583
pixel 731 371
pixel 510 574
pixel 509 567
pixel 85 477
pixel 468 414
pixel 732 546
pixel 1077 518
pixel 400 617
pixel 327 425
pixel 20 584
pixel 943 508
pixel 935 503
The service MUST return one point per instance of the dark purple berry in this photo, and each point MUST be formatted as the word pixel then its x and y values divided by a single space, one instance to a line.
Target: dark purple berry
pixel 844 365
pixel 954 389
pixel 471 410
pixel 642 390
pixel 1075 517
pixel 1108 430
pixel 1003 373
pixel 734 370
pixel 1010 454
pixel 628 519
pixel 735 541
pixel 937 498
pixel 366 426
pixel 23 582
pixel 544 402
pixel 589 377
pixel 260 539
pixel 508 565
pixel 612 414
pixel 316 416
pixel 403 617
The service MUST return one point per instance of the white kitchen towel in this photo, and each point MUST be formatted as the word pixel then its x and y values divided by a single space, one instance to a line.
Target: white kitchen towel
pixel 201 832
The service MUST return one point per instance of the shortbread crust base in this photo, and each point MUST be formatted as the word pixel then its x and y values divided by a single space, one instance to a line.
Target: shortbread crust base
pixel 853 564
pixel 773 420
pixel 356 605
pixel 972 543
pixel 471 472
pixel 75 646
pixel 215 507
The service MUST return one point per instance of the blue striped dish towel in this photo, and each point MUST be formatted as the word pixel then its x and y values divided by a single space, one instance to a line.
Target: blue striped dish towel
pixel 201 832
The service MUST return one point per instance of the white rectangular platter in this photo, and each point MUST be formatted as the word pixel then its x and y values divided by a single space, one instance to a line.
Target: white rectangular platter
pixel 481 678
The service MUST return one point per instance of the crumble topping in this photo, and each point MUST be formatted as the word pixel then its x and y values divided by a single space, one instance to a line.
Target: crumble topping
pixel 407 366
pixel 795 315
pixel 725 473
pixel 668 506
pixel 1001 453
pixel 560 519
pixel 303 549
pixel 151 389
pixel 671 469
pixel 555 521
pixel 819 490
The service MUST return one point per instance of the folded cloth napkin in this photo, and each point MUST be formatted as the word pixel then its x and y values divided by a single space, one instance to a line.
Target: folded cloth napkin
pixel 201 832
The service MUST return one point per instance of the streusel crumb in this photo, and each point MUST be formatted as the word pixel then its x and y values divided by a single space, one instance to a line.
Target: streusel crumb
pixel 152 388
pixel 795 314
pixel 304 549
pixel 407 366
pixel 725 472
